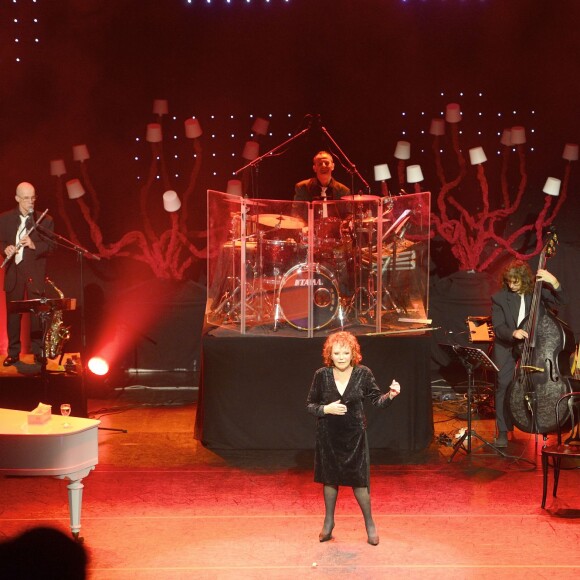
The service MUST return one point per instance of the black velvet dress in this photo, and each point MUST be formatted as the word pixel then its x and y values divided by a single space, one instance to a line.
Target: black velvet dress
pixel 341 454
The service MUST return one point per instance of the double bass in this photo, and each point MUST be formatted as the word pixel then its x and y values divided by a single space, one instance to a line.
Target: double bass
pixel 543 372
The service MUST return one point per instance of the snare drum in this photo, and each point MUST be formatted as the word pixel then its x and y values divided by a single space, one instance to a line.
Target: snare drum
pixel 293 296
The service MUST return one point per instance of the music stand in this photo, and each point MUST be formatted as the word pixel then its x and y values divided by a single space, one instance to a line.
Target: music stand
pixel 471 359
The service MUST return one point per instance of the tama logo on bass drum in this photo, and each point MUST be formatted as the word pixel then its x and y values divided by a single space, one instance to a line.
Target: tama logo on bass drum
pixel 309 282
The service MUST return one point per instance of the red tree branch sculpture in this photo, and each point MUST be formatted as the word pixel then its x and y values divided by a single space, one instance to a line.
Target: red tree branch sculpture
pixel 168 253
pixel 473 239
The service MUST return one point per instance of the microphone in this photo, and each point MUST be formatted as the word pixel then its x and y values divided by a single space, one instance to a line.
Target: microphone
pixel 313 120
pixel 29 218
pixel 456 332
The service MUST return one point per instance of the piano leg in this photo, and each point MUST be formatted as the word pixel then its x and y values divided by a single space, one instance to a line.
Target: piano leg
pixel 75 499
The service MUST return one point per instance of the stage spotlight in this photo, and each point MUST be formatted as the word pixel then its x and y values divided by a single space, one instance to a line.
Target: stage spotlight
pixel 98 366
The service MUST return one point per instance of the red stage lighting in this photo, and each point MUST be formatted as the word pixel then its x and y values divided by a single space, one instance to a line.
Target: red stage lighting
pixel 98 366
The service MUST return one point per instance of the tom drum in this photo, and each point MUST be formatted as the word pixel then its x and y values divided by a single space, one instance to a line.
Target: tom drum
pixel 279 256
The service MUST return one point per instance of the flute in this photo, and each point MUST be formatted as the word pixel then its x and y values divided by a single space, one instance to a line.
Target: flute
pixel 26 233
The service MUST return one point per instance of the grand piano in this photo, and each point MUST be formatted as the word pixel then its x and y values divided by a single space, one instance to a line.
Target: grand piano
pixel 51 449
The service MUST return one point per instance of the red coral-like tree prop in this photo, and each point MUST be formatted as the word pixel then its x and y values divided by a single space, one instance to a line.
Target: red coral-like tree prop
pixel 474 239
pixel 168 253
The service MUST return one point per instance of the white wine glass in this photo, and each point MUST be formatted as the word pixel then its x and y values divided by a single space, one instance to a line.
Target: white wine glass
pixel 65 412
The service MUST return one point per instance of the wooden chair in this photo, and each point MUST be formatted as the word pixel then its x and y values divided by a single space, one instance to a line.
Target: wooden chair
pixel 567 413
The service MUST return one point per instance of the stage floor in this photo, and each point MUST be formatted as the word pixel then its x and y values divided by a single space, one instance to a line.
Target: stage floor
pixel 160 505
pixel 28 367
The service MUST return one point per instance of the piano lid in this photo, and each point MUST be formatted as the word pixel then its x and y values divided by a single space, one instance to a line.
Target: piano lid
pixel 47 449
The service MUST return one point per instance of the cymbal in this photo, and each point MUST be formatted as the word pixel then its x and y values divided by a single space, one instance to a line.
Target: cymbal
pixel 361 197
pixel 274 220
pixel 374 220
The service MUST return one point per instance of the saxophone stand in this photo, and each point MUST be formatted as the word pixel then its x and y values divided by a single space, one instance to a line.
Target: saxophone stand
pixel 81 253
pixel 43 308
pixel 471 359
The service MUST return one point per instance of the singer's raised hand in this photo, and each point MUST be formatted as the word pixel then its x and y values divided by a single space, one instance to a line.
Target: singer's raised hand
pixel 394 389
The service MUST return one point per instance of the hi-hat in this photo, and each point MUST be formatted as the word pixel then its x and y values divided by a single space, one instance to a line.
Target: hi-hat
pixel 286 222
pixel 361 197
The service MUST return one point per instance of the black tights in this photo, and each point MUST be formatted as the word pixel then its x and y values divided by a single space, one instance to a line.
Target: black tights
pixel 363 498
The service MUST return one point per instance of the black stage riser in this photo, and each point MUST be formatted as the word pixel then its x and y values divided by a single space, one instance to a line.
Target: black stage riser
pixel 253 392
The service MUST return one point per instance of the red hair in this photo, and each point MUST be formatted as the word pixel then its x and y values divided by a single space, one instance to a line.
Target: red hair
pixel 342 338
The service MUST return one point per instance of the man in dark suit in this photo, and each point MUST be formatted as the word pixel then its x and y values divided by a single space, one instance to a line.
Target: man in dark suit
pixel 509 308
pixel 24 270
pixel 323 186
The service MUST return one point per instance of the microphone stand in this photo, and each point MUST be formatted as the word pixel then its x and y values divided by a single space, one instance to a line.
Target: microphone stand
pixel 353 170
pixel 270 153
pixel 81 253
pixel 311 118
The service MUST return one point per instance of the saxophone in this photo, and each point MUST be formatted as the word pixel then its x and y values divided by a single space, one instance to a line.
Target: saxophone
pixel 57 334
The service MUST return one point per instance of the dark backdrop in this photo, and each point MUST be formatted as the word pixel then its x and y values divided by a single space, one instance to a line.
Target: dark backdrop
pixel 375 71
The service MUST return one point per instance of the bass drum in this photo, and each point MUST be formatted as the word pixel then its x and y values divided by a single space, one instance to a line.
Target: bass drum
pixel 293 296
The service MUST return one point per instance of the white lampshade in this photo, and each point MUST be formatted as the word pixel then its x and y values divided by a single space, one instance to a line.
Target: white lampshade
pixel 192 128
pixel 382 172
pixel 57 167
pixel 80 153
pixel 414 174
pixel 552 186
pixel 477 156
pixel 453 113
pixel 171 201
pixel 518 135
pixel 437 127
pixel 403 150
pixel 160 107
pixel 506 138
pixel 251 150
pixel 570 152
pixel 75 189
pixel 234 187
pixel 260 126
pixel 154 133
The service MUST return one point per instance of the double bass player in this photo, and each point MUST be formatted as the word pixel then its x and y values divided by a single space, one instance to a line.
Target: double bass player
pixel 510 306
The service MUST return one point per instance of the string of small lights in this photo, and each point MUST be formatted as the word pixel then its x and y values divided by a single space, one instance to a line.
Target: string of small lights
pixel 226 134
pixel 21 24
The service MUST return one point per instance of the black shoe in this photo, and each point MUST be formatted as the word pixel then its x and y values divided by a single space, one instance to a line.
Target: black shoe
pixel 322 537
pixel 501 440
pixel 10 360
pixel 373 540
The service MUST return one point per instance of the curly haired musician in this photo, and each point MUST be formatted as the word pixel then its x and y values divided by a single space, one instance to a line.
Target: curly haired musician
pixel 510 306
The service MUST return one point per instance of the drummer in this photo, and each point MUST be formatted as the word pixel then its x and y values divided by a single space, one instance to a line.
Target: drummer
pixel 323 186
pixel 332 248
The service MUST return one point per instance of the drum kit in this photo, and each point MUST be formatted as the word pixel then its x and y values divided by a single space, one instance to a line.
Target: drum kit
pixel 337 278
